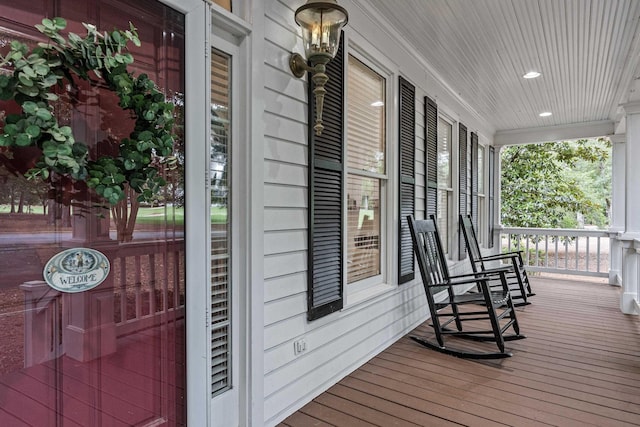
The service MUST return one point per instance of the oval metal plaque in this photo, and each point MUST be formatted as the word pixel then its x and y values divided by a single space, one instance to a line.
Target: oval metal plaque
pixel 76 270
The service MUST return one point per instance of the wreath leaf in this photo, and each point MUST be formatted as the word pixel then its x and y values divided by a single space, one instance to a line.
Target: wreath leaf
pixel 37 73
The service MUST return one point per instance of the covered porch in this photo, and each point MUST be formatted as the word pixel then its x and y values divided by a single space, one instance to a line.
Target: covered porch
pixel 578 366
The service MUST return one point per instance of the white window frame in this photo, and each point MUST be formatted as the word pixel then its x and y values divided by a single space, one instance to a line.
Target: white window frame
pixel 372 287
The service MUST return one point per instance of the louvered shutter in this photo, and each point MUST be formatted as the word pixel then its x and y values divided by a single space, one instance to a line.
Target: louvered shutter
pixel 474 180
pixel 492 186
pixel 407 140
pixel 325 288
pixel 431 155
pixel 462 184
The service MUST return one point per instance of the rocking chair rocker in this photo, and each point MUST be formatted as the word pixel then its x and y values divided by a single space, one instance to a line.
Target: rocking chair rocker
pixel 516 275
pixel 496 304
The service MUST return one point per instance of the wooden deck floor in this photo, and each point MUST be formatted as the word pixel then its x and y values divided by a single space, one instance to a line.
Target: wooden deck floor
pixel 579 366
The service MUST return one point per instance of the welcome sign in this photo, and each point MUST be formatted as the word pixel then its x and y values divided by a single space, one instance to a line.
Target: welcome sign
pixel 76 270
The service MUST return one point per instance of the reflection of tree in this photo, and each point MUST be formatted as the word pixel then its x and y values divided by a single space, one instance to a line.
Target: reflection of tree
pixel 219 155
pixel 125 212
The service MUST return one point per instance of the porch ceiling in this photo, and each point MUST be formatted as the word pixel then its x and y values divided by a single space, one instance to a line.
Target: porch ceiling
pixel 587 52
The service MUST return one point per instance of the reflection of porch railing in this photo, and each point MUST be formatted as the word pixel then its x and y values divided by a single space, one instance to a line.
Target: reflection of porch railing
pixel 144 289
pixel 148 280
pixel 566 251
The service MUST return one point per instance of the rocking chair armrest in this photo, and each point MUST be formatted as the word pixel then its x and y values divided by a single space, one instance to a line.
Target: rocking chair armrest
pixel 464 279
pixel 508 255
pixel 507 268
pixel 484 273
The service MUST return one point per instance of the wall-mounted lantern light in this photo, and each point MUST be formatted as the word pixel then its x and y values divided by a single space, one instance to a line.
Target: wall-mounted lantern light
pixel 321 22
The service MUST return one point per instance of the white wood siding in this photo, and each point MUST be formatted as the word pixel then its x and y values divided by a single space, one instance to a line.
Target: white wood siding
pixel 338 343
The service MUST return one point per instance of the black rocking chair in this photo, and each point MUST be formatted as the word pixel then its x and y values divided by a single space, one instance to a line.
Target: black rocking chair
pixel 497 306
pixel 517 278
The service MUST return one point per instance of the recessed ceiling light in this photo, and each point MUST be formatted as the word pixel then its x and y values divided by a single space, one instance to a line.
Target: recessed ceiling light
pixel 377 104
pixel 531 75
pixel 545 114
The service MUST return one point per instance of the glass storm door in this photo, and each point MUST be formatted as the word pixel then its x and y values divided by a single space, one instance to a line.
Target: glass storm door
pixel 113 355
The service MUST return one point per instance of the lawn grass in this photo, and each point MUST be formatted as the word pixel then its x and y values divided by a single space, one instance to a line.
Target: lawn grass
pixel 153 215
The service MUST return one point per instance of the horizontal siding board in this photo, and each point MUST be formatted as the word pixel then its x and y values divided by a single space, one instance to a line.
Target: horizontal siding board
pixel 285 151
pixel 285 173
pixel 284 286
pixel 285 219
pixel 285 196
pixel 285 106
pixel 284 129
pixel 282 264
pixel 281 80
pixel 284 241
pixel 284 308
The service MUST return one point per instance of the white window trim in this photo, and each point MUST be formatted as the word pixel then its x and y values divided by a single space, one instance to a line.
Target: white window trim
pixel 230 34
pixel 372 287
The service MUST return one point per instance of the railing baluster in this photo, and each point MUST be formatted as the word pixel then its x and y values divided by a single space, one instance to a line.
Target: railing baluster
pixel 546 250
pixel 138 286
pixel 165 282
pixel 152 283
pixel 588 254
pixel 176 276
pixel 566 253
pixel 556 260
pixel 577 252
pixel 123 289
pixel 598 256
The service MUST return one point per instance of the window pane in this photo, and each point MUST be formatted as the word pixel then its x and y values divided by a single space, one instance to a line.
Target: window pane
pixel 444 154
pixel 220 224
pixel 481 170
pixel 366 118
pixel 443 218
pixel 363 227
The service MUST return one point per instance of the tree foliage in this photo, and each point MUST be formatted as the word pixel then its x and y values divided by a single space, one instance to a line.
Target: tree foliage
pixel 37 73
pixel 549 185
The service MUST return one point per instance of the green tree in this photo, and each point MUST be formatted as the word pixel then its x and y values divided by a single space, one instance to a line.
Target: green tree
pixel 547 185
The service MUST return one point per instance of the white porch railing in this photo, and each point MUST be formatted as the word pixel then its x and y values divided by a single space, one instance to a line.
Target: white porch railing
pixel 145 288
pixel 565 251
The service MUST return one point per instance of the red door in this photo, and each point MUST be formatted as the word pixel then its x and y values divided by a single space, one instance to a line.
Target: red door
pixel 113 355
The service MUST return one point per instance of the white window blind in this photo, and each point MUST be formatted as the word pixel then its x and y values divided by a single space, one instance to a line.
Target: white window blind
pixel 445 190
pixel 220 225
pixel 366 169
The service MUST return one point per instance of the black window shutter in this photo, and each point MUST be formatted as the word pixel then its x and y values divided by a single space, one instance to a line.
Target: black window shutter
pixel 431 156
pixel 492 185
pixel 474 179
pixel 326 154
pixel 462 184
pixel 407 138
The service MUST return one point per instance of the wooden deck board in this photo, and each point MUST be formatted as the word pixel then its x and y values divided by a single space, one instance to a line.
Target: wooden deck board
pixel 579 366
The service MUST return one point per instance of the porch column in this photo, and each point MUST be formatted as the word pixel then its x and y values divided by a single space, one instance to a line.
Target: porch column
pixel 89 330
pixel 631 236
pixel 618 207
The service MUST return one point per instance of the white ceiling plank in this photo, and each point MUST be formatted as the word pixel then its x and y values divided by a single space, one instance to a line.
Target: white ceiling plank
pixel 586 50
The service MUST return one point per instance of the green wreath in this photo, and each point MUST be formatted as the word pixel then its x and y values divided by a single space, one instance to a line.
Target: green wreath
pixel 32 85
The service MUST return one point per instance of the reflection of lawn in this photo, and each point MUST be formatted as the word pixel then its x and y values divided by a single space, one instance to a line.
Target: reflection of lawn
pixel 32 209
pixel 156 215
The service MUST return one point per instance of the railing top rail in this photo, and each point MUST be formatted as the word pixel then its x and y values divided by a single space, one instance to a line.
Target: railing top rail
pixel 568 232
